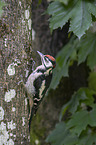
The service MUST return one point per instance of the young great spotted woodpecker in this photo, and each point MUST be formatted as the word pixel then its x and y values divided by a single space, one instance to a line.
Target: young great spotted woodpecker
pixel 38 83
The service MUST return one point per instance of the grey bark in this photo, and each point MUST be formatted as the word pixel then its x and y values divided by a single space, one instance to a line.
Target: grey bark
pixel 15 51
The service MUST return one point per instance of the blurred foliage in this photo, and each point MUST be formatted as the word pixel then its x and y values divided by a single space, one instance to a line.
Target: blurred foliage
pixel 75 50
pixel 78 127
pixel 1 6
pixel 79 12
pixel 92 81
pixel 63 1
pixel 81 122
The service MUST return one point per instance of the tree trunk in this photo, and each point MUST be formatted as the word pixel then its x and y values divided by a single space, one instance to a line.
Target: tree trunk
pixel 15 51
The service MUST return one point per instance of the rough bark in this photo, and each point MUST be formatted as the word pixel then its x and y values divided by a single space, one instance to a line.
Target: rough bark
pixel 15 51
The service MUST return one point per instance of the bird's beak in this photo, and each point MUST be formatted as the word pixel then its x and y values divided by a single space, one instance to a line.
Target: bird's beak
pixel 42 56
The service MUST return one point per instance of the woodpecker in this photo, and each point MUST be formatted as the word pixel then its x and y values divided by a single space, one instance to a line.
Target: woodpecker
pixel 38 83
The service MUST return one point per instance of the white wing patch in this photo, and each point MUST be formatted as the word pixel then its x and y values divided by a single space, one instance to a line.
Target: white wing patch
pixel 41 89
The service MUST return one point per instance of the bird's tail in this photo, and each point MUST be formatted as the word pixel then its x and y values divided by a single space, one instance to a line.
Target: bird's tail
pixel 32 114
pixel 30 119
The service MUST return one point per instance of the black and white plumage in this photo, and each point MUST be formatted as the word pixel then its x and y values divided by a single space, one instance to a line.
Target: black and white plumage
pixel 38 83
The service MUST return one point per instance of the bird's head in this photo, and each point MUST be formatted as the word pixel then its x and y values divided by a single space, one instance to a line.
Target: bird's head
pixel 47 60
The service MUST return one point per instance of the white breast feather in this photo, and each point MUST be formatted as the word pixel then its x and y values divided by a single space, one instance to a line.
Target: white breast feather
pixel 29 84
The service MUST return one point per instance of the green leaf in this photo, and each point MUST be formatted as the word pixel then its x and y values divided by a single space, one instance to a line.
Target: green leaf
pixel 81 119
pixel 64 109
pixel 63 59
pixel 92 7
pixel 77 11
pixel 57 74
pixel 88 139
pixel 1 6
pixel 78 122
pixel 86 47
pixel 84 95
pixel 61 136
pixel 73 103
pixel 66 134
pixel 63 1
pixel 91 61
pixel 60 14
pixel 81 19
pixel 89 101
pixel 92 81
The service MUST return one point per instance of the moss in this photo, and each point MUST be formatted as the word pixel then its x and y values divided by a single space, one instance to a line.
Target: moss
pixel 37 130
